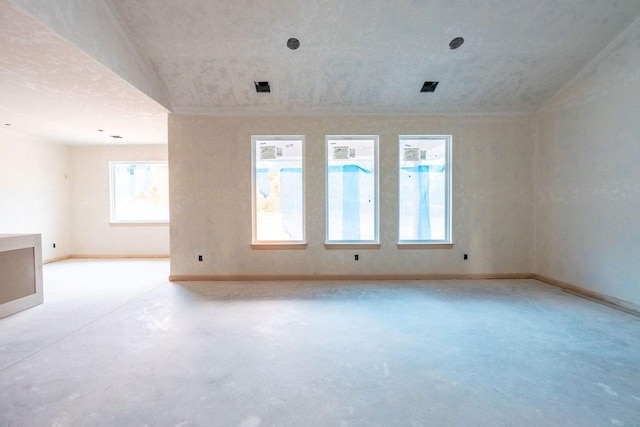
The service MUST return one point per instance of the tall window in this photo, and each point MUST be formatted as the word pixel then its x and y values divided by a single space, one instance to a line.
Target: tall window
pixel 139 191
pixel 352 189
pixel 425 189
pixel 278 189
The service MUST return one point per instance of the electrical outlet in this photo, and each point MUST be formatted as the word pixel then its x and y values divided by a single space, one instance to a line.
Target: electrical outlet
pixel 199 257
pixel 465 257
pixel 54 246
pixel 356 257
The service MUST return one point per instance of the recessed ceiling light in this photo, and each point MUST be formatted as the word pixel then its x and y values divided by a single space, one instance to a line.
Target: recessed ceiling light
pixel 7 124
pixel 262 87
pixel 100 130
pixel 429 87
pixel 293 43
pixel 456 43
pixel 116 136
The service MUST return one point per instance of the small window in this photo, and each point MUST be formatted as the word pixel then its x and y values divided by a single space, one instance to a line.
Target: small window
pixel 278 189
pixel 352 189
pixel 139 192
pixel 425 189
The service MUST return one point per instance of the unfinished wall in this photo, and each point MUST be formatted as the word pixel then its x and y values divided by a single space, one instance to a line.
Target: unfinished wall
pixel 91 232
pixel 34 192
pixel 588 179
pixel 210 180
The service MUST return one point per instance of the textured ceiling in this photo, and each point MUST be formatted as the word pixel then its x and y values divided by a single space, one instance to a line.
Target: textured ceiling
pixel 62 77
pixel 52 90
pixel 369 56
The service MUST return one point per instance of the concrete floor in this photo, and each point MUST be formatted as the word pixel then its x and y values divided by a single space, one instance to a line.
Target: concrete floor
pixel 116 344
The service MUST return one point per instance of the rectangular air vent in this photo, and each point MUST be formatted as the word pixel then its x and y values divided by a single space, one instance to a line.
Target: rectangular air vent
pixel 429 87
pixel 262 87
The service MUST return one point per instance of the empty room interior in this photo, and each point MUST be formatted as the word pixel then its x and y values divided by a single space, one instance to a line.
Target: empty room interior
pixel 323 213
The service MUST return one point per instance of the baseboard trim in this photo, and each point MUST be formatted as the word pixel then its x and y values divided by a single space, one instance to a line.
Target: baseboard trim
pixel 98 256
pixel 568 287
pixel 349 277
pixel 57 259
pixel 104 257
pixel 583 292
pixel 576 290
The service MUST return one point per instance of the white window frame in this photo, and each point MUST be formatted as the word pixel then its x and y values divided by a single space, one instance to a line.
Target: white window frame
pixel 448 239
pixel 376 140
pixel 254 225
pixel 112 199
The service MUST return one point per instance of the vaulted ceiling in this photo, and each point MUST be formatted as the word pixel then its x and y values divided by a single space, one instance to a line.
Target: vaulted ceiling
pixel 120 64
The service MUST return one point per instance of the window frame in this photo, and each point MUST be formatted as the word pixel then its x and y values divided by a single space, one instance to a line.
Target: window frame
pixel 447 242
pixel 375 242
pixel 112 197
pixel 277 244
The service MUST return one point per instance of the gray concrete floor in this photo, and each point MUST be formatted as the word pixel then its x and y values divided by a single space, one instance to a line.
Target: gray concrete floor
pixel 116 344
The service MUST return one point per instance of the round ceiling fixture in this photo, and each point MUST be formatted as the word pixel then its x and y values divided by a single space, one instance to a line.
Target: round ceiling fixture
pixel 293 43
pixel 456 43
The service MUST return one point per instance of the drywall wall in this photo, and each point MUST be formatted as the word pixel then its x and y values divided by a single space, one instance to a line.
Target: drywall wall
pixel 34 192
pixel 588 179
pixel 210 181
pixel 91 232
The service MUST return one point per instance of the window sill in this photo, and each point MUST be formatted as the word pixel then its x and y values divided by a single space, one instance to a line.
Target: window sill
pixel 406 245
pixel 352 245
pixel 278 246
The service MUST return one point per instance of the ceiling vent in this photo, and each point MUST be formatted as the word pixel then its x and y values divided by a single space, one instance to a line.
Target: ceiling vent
pixel 456 43
pixel 293 43
pixel 429 87
pixel 262 87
